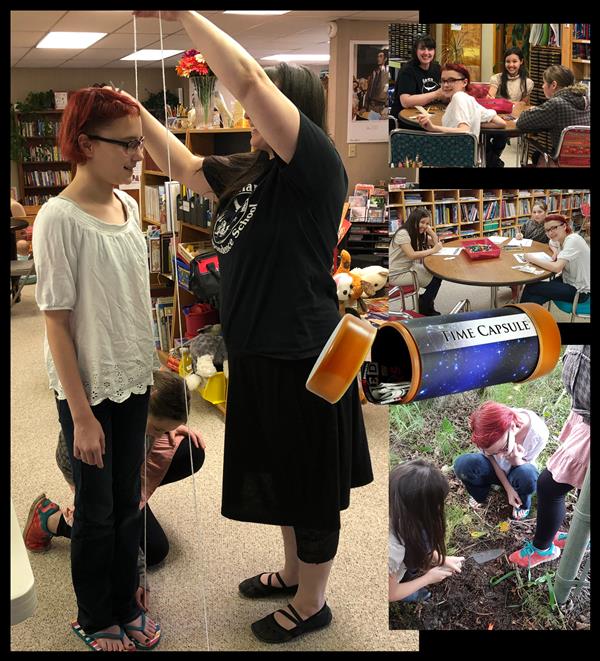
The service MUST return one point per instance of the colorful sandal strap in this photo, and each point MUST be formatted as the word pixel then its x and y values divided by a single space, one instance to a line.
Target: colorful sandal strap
pixel 131 627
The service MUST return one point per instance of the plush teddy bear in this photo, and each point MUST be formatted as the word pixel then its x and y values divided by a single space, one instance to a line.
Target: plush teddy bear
pixel 343 283
pixel 376 276
pixel 359 286
pixel 209 356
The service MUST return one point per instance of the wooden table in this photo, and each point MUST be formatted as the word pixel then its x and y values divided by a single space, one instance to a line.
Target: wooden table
pixel 510 130
pixel 493 273
pixel 16 224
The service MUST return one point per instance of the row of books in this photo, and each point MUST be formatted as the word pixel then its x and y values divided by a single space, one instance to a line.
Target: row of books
pixel 508 208
pixel 582 30
pixel 47 177
pixel 469 212
pixel 46 153
pixel 401 37
pixel 162 320
pixel 40 128
pixel 445 214
pixel 36 200
pixel 582 51
pixel 170 202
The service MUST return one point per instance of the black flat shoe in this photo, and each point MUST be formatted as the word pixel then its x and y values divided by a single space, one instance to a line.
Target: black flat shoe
pixel 270 631
pixel 253 588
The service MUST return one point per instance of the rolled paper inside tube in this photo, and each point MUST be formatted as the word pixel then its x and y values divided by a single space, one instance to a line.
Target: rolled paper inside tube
pixel 435 356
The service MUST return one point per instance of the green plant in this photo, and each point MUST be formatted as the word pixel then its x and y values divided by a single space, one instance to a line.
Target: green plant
pixel 155 103
pixel 37 101
pixel 17 141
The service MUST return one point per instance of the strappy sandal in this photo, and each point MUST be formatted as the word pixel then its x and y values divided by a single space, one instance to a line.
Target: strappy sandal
pixel 254 588
pixel 270 631
pixel 139 645
pixel 91 639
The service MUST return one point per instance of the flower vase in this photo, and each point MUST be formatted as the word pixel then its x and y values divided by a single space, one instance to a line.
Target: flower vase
pixel 203 100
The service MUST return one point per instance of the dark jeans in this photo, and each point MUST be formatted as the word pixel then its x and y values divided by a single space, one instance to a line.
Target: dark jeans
pixel 107 521
pixel 550 509
pixel 428 296
pixel 476 472
pixel 552 290
pixel 156 544
pixel 494 148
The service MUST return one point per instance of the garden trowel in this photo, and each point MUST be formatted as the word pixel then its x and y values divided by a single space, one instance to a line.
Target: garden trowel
pixel 485 556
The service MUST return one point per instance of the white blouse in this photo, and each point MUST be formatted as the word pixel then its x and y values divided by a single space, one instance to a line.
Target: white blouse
pixel 464 109
pixel 99 271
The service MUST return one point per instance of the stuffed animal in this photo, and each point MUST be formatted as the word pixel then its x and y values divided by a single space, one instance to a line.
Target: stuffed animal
pixel 343 283
pixel 209 356
pixel 377 276
pixel 358 284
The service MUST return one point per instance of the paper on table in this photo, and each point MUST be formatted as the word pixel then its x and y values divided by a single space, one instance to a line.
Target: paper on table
pixel 498 239
pixel 443 252
pixel 544 256
pixel 528 269
pixel 523 243
pixel 519 257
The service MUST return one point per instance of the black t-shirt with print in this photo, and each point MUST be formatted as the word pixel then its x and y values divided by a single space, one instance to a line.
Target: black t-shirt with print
pixel 414 80
pixel 275 241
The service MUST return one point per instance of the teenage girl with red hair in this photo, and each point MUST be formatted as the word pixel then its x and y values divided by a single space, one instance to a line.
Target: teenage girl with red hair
pixel 93 287
pixel 571 262
pixel 463 114
pixel 509 440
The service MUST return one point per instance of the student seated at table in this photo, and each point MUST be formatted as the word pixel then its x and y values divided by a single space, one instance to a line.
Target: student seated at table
pixel 418 82
pixel 570 259
pixel 463 114
pixel 534 230
pixel 514 85
pixel 413 241
pixel 567 104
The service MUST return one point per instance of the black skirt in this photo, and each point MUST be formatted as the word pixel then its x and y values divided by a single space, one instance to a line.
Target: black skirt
pixel 290 457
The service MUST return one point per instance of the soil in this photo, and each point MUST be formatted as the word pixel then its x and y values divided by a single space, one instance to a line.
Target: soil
pixel 467 600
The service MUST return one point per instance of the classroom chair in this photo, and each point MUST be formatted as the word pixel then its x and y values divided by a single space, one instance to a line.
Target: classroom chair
pixel 406 291
pixel 573 150
pixel 575 309
pixel 19 272
pixel 433 149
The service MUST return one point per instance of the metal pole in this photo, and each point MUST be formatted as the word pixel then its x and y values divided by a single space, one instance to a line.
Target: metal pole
pixel 577 541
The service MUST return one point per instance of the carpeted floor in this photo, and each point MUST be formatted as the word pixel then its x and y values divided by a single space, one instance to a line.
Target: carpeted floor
pixel 208 558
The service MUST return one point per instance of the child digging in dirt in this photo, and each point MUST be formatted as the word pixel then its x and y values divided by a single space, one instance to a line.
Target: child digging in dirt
pixel 417 550
pixel 509 440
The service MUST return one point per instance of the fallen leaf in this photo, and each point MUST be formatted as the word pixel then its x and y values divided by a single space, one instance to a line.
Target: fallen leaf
pixel 477 533
pixel 504 526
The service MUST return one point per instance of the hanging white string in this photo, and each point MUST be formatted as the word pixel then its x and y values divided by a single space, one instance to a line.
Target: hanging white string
pixel 181 342
pixel 135 68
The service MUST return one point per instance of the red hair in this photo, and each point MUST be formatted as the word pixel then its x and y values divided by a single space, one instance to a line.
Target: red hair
pixel 489 422
pixel 463 71
pixel 561 219
pixel 87 110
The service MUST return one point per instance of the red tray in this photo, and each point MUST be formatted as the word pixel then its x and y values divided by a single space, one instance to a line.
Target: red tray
pixel 494 250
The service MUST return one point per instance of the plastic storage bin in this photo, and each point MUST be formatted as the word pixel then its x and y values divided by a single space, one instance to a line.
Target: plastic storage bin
pixel 491 250
pixel 197 316
pixel 215 391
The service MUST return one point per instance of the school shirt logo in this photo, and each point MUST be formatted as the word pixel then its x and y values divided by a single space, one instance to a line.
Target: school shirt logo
pixel 230 223
pixel 428 85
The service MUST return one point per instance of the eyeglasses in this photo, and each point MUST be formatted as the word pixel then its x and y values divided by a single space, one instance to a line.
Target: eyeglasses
pixel 130 146
pixel 450 81
pixel 504 448
pixel 551 229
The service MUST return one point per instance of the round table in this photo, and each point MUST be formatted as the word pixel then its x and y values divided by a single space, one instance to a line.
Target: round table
pixel 436 112
pixel 495 272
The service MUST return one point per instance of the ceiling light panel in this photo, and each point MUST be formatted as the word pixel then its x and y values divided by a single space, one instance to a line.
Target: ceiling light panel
pixel 152 55
pixel 75 40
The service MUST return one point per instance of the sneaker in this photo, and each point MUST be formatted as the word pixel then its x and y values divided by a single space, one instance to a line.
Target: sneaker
pixel 475 504
pixel 520 513
pixel 529 556
pixel 560 540
pixel 36 534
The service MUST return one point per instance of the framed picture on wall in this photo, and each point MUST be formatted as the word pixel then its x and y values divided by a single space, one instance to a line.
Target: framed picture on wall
pixel 369 81
pixel 60 100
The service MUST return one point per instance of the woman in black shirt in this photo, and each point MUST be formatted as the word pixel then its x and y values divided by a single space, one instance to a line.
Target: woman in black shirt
pixel 418 82
pixel 290 457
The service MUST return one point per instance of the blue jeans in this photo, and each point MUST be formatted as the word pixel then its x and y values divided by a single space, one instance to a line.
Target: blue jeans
pixel 476 472
pixel 551 290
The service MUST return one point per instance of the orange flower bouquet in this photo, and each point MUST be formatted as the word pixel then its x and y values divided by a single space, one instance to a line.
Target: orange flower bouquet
pixel 192 65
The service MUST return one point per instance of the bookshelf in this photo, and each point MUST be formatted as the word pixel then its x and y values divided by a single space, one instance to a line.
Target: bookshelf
pixel 472 213
pixel 42 172
pixel 576 47
pixel 203 142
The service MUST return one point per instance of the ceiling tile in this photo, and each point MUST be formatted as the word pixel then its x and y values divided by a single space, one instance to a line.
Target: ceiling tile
pixel 124 41
pixel 23 39
pixel 92 21
pixel 16 54
pixel 34 20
